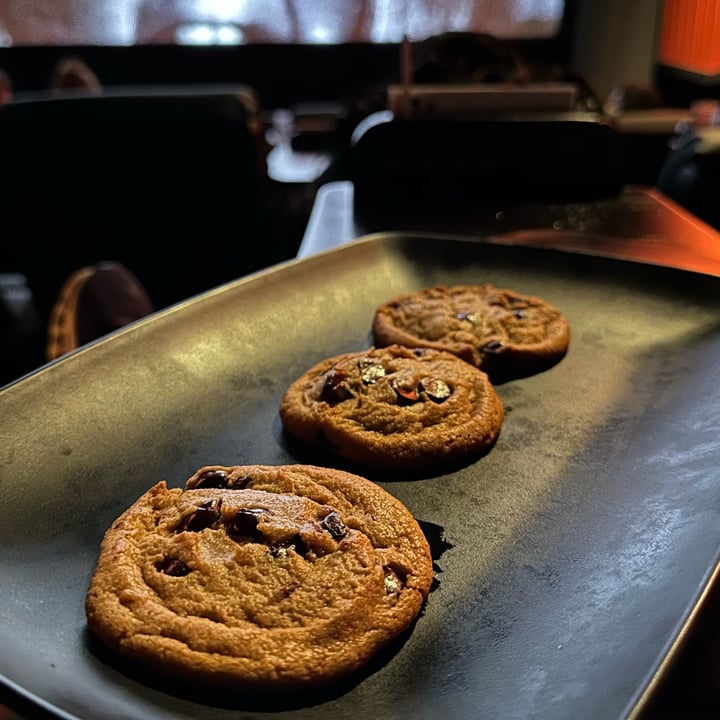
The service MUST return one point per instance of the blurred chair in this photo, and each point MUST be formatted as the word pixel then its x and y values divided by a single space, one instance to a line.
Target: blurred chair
pixel 690 174
pixel 171 182
pixel 457 165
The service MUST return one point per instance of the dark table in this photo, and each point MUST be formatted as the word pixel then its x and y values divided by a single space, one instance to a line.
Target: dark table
pixel 640 224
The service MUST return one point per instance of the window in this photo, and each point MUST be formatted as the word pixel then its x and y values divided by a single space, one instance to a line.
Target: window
pixel 241 22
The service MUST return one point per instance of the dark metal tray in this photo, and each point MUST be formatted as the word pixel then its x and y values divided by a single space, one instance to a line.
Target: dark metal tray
pixel 575 552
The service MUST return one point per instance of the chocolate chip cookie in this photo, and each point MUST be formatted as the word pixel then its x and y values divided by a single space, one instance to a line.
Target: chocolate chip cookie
pixel 394 408
pixel 505 333
pixel 257 577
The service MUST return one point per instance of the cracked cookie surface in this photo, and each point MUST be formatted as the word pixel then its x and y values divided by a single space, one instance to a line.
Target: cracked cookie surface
pixel 394 408
pixel 259 577
pixel 503 332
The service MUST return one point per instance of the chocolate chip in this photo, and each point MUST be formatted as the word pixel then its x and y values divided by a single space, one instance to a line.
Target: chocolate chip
pixel 299 546
pixel 205 516
pixel 437 390
pixel 472 318
pixel 334 525
pixel 245 523
pixel 335 388
pixel 519 314
pixel 494 346
pixel 405 391
pixel 370 371
pixel 174 567
pixel 210 479
pixel 240 483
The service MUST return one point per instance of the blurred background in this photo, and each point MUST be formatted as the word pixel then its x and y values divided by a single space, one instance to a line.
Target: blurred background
pixel 234 22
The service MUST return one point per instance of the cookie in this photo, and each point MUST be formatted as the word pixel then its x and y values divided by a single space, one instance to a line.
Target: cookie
pixel 504 333
pixel 394 408
pixel 257 577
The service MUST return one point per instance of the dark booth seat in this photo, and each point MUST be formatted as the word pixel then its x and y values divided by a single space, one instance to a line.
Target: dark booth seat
pixel 461 164
pixel 170 182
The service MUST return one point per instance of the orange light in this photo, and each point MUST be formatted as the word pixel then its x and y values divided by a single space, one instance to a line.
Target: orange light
pixel 690 36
